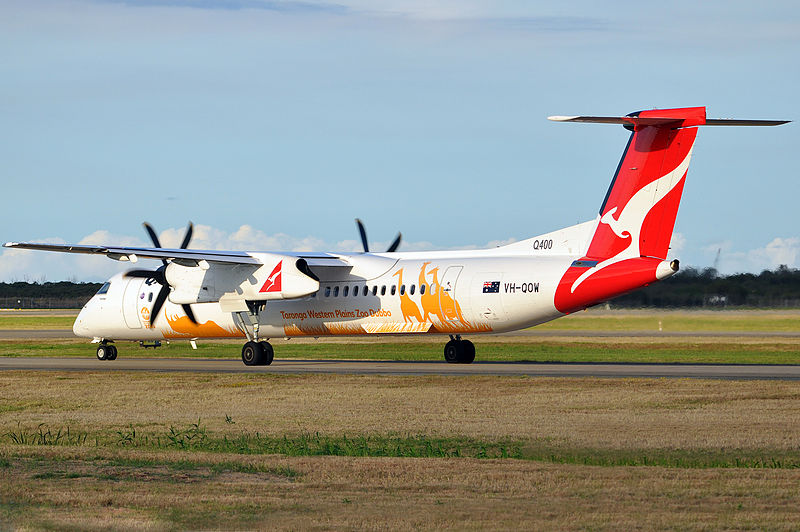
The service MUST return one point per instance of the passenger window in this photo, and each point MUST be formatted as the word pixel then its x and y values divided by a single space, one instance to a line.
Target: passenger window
pixel 344 292
pixel 402 289
pixel 412 289
pixel 422 289
pixel 355 291
pixel 327 291
pixel 150 298
pixel 383 290
pixel 335 291
pixel 104 289
pixel 394 289
pixel 375 290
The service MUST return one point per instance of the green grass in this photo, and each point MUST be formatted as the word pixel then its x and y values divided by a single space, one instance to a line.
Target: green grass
pixel 43 435
pixel 195 438
pixel 540 349
pixel 36 322
pixel 677 321
pixel 674 350
pixel 721 321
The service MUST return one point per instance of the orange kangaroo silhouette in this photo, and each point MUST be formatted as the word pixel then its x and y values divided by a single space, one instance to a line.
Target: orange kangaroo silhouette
pixel 429 300
pixel 450 307
pixel 407 307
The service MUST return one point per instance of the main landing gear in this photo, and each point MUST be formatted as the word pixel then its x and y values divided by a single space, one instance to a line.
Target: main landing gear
pixel 458 351
pixel 106 351
pixel 257 354
pixel 254 352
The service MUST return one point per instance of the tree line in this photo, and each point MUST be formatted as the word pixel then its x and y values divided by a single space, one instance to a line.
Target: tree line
pixel 63 294
pixel 689 288
pixel 693 288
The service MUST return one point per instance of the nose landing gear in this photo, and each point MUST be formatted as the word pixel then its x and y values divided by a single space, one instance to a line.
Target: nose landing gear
pixel 106 351
pixel 458 351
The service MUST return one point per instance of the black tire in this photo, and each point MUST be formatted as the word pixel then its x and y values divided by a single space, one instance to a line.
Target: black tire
pixel 467 352
pixel 112 352
pixel 252 354
pixel 269 353
pixel 452 352
pixel 102 352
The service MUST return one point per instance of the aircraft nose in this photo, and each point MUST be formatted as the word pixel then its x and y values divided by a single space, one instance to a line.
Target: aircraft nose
pixel 80 327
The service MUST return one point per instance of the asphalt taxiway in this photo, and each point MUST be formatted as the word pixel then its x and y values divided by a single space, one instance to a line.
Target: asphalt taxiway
pixel 372 367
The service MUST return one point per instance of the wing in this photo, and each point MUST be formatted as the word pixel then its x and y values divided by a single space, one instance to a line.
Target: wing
pixel 184 257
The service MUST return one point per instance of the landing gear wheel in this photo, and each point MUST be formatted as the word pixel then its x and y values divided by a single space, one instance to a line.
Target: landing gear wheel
pixel 467 352
pixel 452 352
pixel 111 352
pixel 269 353
pixel 102 352
pixel 459 352
pixel 252 354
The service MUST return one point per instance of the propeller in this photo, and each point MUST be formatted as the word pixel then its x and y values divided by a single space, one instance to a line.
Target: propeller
pixel 159 275
pixel 363 232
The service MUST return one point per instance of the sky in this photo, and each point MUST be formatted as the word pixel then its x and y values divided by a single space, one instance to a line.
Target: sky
pixel 273 124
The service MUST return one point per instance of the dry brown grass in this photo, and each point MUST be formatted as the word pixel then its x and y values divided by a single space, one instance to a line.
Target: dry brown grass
pixel 392 493
pixel 82 487
pixel 593 412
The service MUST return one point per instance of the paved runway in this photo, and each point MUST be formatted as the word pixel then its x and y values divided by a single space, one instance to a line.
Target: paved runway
pixel 364 367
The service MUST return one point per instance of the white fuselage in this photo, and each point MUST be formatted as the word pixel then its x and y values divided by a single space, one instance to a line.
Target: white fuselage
pixel 464 292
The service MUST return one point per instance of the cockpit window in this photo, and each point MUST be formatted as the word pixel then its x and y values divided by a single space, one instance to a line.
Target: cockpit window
pixel 104 289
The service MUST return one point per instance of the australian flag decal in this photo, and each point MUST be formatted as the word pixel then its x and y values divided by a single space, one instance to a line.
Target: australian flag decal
pixel 491 287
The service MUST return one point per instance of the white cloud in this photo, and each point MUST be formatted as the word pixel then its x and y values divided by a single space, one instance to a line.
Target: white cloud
pixel 778 251
pixel 678 243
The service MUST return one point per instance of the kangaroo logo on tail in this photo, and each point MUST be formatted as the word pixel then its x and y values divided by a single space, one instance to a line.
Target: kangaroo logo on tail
pixel 630 221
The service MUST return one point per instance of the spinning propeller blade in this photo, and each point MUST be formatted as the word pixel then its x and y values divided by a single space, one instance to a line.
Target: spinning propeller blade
pixel 363 232
pixel 396 243
pixel 159 275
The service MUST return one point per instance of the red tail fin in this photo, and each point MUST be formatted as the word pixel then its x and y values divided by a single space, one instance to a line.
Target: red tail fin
pixel 634 229
pixel 639 211
pixel 628 248
pixel 638 214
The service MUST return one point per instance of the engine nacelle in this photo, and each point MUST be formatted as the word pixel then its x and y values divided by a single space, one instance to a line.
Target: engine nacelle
pixel 279 277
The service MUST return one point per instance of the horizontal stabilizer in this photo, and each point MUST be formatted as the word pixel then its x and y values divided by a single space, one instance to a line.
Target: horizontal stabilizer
pixel 666 121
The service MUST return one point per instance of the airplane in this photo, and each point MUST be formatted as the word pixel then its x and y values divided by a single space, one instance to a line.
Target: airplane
pixel 257 295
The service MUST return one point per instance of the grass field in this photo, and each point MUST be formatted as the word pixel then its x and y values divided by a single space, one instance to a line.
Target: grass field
pixel 36 322
pixel 751 349
pixel 495 348
pixel 115 450
pixel 231 451
pixel 592 320
pixel 679 321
